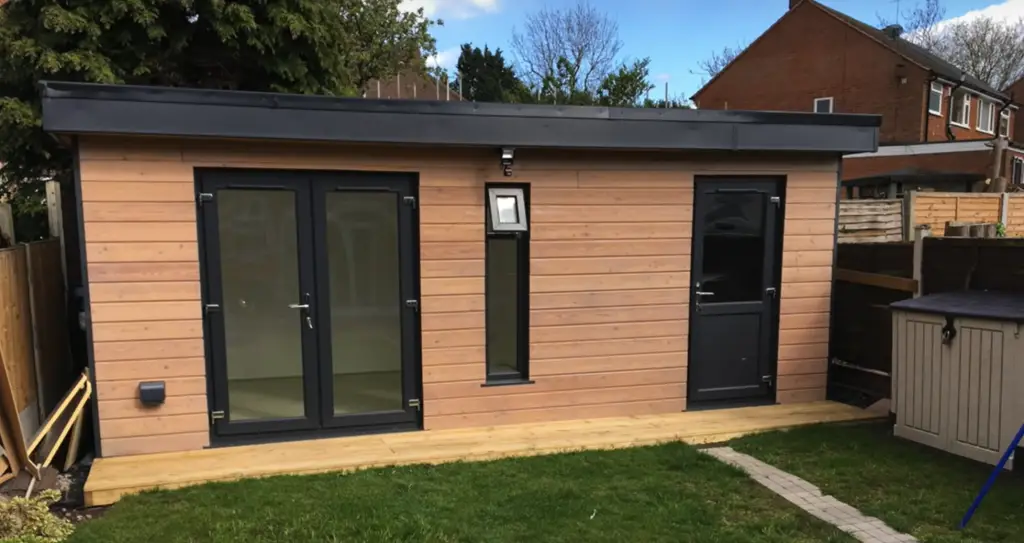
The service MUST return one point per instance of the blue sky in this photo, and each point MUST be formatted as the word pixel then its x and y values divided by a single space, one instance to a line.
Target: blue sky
pixel 675 34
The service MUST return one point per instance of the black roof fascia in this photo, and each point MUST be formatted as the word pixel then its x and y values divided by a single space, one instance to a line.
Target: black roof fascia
pixel 83 108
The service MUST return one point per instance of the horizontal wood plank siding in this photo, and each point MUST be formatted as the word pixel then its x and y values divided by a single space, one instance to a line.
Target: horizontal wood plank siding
pixel 610 263
pixel 807 253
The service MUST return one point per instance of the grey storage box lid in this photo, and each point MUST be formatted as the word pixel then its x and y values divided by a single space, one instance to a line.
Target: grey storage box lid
pixel 981 304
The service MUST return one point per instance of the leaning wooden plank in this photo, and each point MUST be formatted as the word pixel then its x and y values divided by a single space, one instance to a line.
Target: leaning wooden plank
pixel 876 280
pixel 16 339
pixel 82 382
pixel 73 446
pixel 66 427
pixel 10 424
pixel 7 477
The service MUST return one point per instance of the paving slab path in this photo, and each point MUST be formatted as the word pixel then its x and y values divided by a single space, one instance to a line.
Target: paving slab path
pixel 810 498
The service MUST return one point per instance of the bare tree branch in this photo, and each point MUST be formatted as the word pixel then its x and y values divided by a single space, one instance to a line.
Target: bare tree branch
pixel 990 50
pixel 587 39
pixel 711 66
pixel 920 23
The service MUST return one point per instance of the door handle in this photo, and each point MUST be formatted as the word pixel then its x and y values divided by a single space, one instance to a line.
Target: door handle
pixel 304 307
pixel 704 293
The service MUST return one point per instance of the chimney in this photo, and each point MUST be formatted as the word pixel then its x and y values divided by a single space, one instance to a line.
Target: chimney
pixel 893 31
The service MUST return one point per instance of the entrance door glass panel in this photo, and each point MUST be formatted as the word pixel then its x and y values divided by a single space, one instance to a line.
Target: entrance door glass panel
pixel 364 269
pixel 259 259
pixel 734 247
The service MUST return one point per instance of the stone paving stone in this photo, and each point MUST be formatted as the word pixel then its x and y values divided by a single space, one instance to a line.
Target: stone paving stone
pixel 810 498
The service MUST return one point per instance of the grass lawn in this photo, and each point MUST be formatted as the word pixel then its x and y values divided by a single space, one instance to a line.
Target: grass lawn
pixel 911 487
pixel 663 493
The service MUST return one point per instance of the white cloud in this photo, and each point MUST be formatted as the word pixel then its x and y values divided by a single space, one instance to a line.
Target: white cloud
pixel 445 58
pixel 457 9
pixel 1009 11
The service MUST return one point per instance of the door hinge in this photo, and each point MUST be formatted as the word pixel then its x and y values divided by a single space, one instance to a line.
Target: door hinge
pixel 410 201
pixel 413 304
pixel 415 402
pixel 768 380
pixel 776 200
pixel 212 308
pixel 204 197
pixel 771 292
pixel 215 416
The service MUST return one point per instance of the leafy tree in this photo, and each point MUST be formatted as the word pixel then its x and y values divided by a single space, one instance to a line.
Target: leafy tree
pixel 627 86
pixel 487 78
pixel 302 46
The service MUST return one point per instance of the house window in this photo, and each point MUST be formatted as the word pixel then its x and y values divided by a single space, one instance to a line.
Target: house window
pixel 823 105
pixel 1004 123
pixel 935 99
pixel 986 116
pixel 961 109
pixel 507 278
pixel 1017 171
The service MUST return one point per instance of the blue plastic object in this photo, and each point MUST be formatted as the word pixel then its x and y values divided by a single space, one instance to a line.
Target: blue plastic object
pixel 992 478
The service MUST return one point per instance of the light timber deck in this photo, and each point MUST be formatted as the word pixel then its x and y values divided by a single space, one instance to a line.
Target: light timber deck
pixel 112 478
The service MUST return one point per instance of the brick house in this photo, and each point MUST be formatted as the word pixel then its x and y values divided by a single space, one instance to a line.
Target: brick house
pixel 938 122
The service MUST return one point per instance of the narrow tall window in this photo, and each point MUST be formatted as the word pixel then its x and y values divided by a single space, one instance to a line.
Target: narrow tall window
pixel 1017 172
pixel 986 116
pixel 935 99
pixel 823 105
pixel 961 109
pixel 1004 123
pixel 507 284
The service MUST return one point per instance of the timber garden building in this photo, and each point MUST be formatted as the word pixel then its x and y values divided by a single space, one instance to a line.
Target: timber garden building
pixel 259 268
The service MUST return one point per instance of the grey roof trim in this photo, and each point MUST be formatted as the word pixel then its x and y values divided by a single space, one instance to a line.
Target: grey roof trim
pixel 82 108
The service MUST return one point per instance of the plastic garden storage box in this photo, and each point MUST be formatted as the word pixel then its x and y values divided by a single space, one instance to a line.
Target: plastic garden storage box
pixel 958 371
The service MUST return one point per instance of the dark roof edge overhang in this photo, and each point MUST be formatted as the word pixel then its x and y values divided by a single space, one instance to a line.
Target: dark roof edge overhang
pixel 83 108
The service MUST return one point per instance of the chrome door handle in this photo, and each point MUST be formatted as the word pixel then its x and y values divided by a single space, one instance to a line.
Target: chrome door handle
pixel 298 306
pixel 703 293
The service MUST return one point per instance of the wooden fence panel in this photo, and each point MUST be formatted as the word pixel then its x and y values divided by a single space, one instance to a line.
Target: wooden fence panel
pixel 862 221
pixel 1015 215
pixel 53 367
pixel 16 346
pixel 936 208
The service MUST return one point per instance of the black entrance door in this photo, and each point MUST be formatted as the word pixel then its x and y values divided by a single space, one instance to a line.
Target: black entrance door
pixel 310 301
pixel 734 289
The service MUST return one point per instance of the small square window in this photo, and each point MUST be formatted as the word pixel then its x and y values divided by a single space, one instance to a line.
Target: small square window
pixel 823 105
pixel 507 210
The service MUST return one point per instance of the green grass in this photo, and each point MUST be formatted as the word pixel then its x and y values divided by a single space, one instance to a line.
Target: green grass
pixel 663 493
pixel 913 488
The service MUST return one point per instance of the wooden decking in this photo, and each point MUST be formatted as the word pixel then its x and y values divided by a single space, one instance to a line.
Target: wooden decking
pixel 112 478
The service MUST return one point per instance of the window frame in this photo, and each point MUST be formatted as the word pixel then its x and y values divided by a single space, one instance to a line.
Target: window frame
pixel 941 90
pixel 982 103
pixel 966 116
pixel 493 193
pixel 522 320
pixel 1005 114
pixel 1017 171
pixel 831 104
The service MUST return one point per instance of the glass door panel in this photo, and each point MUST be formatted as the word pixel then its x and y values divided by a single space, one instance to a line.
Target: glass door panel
pixel 259 257
pixel 365 301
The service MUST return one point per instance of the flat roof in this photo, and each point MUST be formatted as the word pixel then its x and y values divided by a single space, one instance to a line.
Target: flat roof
pixel 85 108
